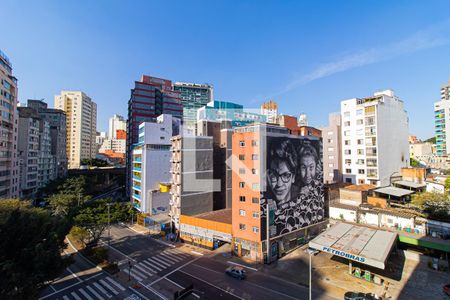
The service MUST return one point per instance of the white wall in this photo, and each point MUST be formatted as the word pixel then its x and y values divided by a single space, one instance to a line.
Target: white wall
pixel 434 187
pixel 348 215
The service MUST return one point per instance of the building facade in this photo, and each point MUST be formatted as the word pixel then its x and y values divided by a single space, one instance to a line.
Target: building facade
pixel 151 166
pixel 81 124
pixel 374 133
pixel 332 145
pixel 442 121
pixel 227 111
pixel 149 98
pixel 56 119
pixel 279 175
pixel 192 177
pixel 193 96
pixel 9 170
pixel 270 110
pixel 116 122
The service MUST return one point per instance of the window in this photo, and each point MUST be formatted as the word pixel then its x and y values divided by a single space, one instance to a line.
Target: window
pixel 254 143
pixel 255 229
pixel 360 151
pixel 348 171
pixel 361 171
pixel 330 149
pixel 241 157
pixel 241 170
pixel 346 114
pixel 241 144
pixel 347 142
pixel 348 161
pixel 347 123
pixel 359 132
pixel 242 213
pixel 254 156
pixel 254 171
pixel 242 226
pixel 255 214
pixel 360 141
pixel 360 181
pixel 241 198
pixel 330 165
pixel 347 152
pixel 330 141
pixel 330 132
pixel 255 186
pixel 242 184
pixel 255 200
pixel 330 156
pixel 347 133
pixel 359 112
pixel 359 122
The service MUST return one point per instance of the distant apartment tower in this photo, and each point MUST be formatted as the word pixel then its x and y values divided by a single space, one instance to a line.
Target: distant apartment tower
pixel 303 120
pixel 151 165
pixel 58 133
pixel 332 144
pixel 116 122
pixel 374 138
pixel 9 173
pixel 270 110
pixel 193 96
pixel 229 111
pixel 442 121
pixel 149 98
pixel 81 124
pixel 192 176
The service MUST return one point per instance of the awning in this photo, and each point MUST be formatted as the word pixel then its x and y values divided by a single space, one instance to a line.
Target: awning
pixel 358 243
pixel 394 191
pixel 409 184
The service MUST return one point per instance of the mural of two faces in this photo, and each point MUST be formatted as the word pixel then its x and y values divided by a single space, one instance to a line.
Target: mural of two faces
pixel 294 189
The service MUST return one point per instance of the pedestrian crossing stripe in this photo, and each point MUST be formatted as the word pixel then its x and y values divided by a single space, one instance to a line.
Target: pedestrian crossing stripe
pixel 163 258
pixel 157 263
pixel 118 285
pixel 83 292
pixel 75 296
pixel 157 260
pixel 143 266
pixel 172 256
pixel 135 275
pixel 152 265
pixel 95 293
pixel 100 288
pixel 105 284
pixel 141 269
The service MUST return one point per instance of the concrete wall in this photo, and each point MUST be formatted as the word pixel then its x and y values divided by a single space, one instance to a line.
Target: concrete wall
pixel 338 213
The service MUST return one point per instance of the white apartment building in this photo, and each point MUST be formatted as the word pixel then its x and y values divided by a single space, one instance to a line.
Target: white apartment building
pixel 115 145
pixel 270 110
pixel 332 145
pixel 374 138
pixel 151 165
pixel 9 170
pixel 81 118
pixel 442 121
pixel 116 122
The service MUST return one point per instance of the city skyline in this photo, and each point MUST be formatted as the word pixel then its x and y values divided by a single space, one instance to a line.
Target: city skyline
pixel 304 70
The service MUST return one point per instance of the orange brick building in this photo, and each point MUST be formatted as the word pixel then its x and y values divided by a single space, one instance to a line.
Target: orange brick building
pixel 121 134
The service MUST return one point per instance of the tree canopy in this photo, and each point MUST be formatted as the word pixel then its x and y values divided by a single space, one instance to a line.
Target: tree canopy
pixel 94 162
pixel 435 205
pixel 31 241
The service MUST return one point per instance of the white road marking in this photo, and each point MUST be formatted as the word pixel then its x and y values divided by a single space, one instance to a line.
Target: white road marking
pixel 157 263
pixel 118 285
pixel 244 266
pixel 68 287
pixel 66 298
pixel 83 292
pixel 109 287
pixel 141 269
pixel 74 275
pixel 95 293
pixel 165 259
pixel 143 266
pixel 160 261
pixel 75 296
pixel 152 265
pixel 197 253
pixel 101 289
pixel 172 256
pixel 135 275
pixel 174 283
pixel 156 293
pixel 117 250
pixel 143 297
pixel 173 271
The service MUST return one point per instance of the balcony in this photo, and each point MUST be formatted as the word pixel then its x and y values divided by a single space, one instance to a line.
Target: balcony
pixel 136 196
pixel 136 187
pixel 137 169
pixel 137 178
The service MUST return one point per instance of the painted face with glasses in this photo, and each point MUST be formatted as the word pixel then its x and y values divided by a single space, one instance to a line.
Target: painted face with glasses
pixel 281 173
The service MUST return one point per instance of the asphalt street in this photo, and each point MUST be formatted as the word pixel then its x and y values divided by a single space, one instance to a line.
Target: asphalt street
pixel 154 269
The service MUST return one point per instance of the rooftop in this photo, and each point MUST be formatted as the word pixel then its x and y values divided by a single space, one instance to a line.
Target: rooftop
pixel 221 216
pixel 360 187
pixel 394 191
pixel 409 184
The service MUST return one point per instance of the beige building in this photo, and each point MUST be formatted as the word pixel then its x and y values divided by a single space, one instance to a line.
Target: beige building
pixel 9 181
pixel 81 113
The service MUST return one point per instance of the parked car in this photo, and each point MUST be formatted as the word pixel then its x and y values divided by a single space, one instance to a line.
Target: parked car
pixel 360 296
pixel 447 289
pixel 236 272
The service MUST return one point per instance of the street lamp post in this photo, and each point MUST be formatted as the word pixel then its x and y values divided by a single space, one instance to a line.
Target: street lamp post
pixel 312 252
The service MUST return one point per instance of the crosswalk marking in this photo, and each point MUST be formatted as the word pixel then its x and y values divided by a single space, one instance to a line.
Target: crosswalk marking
pixel 99 287
pixel 151 263
pixel 179 253
pixel 135 275
pixel 118 285
pixel 66 298
pixel 95 293
pixel 165 259
pixel 145 268
pixel 160 262
pixel 172 256
pixel 141 269
pixel 105 284
pixel 75 296
pixel 83 292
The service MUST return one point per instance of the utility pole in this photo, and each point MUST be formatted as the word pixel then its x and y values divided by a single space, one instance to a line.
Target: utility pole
pixel 311 252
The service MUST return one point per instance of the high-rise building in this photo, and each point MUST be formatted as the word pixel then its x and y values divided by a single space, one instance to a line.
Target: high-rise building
pixel 58 133
pixel 193 96
pixel 81 124
pixel 150 98
pixel 192 176
pixel 116 122
pixel 332 145
pixel 228 111
pixel 442 121
pixel 303 120
pixel 151 166
pixel 270 110
pixel 277 174
pixel 374 133
pixel 9 173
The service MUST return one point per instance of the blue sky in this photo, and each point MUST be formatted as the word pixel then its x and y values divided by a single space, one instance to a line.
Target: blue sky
pixel 308 55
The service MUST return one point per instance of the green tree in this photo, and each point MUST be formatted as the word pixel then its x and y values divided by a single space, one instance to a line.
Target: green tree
pixel 414 163
pixel 93 217
pixel 31 241
pixel 447 185
pixel 94 162
pixel 66 204
pixel 435 205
